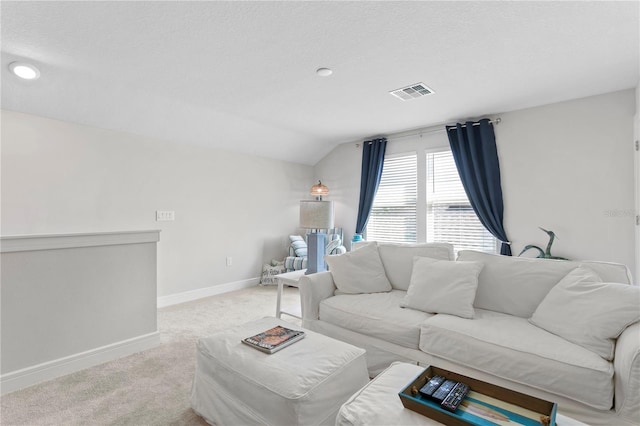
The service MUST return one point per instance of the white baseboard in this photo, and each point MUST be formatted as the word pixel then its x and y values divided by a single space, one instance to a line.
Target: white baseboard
pixel 50 370
pixel 188 296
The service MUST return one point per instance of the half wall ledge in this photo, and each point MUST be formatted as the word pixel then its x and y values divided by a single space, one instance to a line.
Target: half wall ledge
pixel 69 301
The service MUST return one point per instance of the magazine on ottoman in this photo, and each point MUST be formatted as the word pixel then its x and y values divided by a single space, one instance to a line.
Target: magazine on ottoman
pixel 274 339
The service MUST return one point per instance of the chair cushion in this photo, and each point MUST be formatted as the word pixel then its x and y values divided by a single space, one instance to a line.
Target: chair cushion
pixel 292 263
pixel 376 315
pixel 493 342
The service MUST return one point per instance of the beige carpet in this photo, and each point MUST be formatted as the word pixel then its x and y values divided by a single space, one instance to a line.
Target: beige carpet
pixel 148 388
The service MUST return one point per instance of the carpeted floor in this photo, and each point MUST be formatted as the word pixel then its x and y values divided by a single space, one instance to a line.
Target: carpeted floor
pixel 148 388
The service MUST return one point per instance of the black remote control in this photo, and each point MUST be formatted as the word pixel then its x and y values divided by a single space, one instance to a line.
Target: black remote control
pixel 444 389
pixel 455 397
pixel 431 386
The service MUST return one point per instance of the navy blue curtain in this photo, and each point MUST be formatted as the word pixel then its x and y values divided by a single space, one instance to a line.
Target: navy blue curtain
pixel 372 162
pixel 474 150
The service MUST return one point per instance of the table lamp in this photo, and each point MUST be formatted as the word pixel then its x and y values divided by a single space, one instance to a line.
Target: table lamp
pixel 316 215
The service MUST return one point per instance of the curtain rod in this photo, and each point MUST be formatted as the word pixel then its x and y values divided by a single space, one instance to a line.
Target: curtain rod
pixel 425 130
pixel 435 129
pixel 497 120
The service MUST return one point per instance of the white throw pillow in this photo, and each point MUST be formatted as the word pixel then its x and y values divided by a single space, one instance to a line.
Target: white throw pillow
pixel 359 271
pixel 397 259
pixel 443 286
pixel 584 310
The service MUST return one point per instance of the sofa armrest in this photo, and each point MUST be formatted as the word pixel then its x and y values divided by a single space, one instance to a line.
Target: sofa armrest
pixel 314 288
pixel 626 364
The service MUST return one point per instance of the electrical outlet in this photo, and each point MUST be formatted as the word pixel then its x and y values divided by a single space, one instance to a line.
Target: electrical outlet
pixel 165 215
pixel 229 261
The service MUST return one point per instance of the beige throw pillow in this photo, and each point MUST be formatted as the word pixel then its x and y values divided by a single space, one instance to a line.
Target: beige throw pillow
pixel 359 271
pixel 584 310
pixel 443 286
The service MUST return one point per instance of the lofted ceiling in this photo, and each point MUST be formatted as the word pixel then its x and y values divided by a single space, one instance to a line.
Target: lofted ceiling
pixel 241 76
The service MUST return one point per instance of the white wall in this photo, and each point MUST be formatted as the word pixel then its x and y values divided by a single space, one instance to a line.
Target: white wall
pixel 59 177
pixel 340 171
pixel 637 169
pixel 567 167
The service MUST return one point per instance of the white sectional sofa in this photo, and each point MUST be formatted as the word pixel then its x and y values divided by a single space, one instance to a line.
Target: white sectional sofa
pixel 506 341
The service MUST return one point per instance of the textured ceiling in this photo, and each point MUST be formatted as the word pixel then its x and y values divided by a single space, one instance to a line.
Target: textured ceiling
pixel 241 75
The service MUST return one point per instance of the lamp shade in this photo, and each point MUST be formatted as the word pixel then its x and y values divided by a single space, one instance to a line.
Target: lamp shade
pixel 319 190
pixel 315 214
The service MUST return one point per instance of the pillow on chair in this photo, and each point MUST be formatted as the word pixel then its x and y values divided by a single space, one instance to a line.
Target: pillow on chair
pixel 299 245
pixel 332 246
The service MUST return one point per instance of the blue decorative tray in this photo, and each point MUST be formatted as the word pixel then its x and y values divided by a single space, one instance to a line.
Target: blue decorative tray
pixel 485 405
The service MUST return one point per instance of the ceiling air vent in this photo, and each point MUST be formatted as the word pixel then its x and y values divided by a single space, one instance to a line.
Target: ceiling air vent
pixel 413 91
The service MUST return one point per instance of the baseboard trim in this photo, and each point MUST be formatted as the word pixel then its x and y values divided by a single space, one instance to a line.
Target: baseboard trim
pixel 188 296
pixel 30 376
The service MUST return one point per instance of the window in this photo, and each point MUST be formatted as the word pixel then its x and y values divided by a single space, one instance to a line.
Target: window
pixel 434 208
pixel 393 215
pixel 450 217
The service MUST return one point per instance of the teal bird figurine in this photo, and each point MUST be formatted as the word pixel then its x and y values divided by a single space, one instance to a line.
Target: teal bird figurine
pixel 546 254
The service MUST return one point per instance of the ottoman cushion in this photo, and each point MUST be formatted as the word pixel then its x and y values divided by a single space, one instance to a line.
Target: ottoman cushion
pixel 378 402
pixel 304 383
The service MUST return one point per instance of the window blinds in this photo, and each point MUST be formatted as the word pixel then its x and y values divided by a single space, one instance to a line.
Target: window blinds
pixel 449 216
pixel 393 215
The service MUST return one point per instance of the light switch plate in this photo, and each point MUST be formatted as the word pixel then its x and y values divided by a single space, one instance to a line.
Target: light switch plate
pixel 165 215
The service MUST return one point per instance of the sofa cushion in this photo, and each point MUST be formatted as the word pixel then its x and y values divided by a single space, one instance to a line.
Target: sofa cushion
pixel 586 311
pixel 398 259
pixel 376 315
pixel 360 271
pixel 443 286
pixel 494 343
pixel 517 285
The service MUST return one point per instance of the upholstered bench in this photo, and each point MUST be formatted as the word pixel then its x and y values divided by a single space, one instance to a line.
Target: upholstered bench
pixel 302 384
pixel 378 402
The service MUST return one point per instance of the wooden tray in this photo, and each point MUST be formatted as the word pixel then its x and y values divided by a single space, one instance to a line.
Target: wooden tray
pixel 486 404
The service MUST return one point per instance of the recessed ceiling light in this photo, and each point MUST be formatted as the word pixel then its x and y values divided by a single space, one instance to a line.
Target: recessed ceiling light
pixel 24 70
pixel 324 72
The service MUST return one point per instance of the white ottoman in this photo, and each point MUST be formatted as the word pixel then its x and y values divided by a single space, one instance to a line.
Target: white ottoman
pixel 302 384
pixel 378 403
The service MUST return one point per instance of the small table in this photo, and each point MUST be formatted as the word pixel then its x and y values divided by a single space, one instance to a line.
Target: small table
pixel 291 279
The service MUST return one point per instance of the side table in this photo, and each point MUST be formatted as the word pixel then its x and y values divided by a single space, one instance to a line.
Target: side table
pixel 290 279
